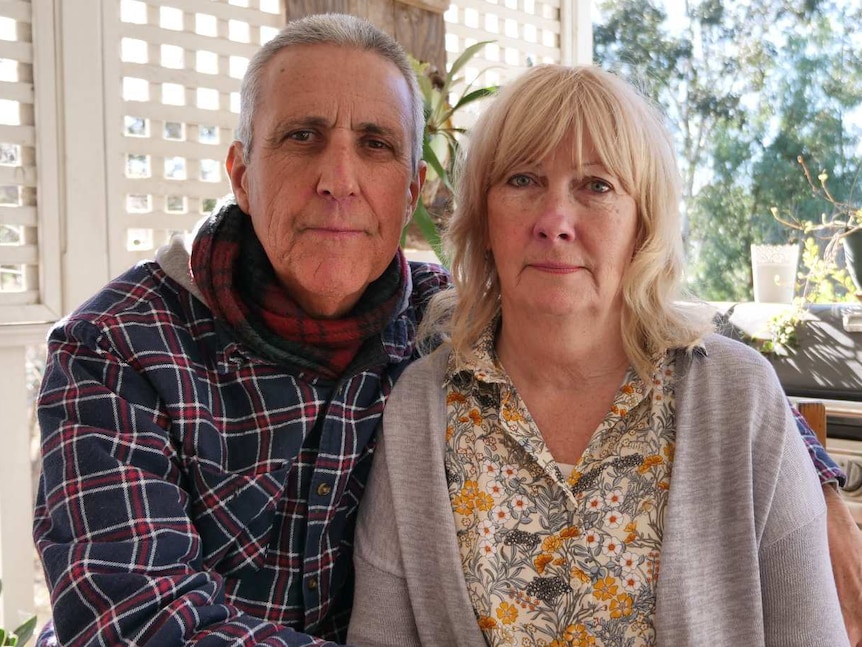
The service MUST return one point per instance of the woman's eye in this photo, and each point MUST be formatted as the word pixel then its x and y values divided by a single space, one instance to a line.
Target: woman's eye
pixel 598 186
pixel 520 180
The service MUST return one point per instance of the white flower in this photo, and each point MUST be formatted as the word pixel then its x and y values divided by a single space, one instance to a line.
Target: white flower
pixel 500 514
pixel 592 538
pixel 614 498
pixel 595 503
pixel 509 471
pixel 490 468
pixel 631 581
pixel 487 547
pixel 614 519
pixel 519 503
pixel 495 489
pixel 486 528
pixel 613 547
pixel 629 561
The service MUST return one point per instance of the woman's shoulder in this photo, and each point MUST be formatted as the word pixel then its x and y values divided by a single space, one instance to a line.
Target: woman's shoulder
pixel 722 353
pixel 428 369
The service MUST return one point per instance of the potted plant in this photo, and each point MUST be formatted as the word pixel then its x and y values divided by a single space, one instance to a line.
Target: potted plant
pixel 442 139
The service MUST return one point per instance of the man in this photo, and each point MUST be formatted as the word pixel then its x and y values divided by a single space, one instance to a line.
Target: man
pixel 208 418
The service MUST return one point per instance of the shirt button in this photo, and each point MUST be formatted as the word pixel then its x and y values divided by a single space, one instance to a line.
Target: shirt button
pixel 324 488
pixel 312 583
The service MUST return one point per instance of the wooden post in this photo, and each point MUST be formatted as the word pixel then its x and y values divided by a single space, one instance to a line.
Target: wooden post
pixel 417 24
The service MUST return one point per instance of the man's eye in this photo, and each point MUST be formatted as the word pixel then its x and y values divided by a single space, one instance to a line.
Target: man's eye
pixel 300 135
pixel 519 180
pixel 376 144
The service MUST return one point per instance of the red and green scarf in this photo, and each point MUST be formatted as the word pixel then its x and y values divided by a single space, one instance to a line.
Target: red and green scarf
pixel 237 280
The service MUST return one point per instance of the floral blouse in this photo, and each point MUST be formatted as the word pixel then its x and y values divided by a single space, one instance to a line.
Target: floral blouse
pixel 549 560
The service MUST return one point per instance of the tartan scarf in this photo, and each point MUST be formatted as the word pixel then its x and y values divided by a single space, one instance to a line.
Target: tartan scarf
pixel 232 271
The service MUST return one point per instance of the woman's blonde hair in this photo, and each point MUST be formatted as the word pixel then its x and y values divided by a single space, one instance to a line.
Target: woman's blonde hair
pixel 524 124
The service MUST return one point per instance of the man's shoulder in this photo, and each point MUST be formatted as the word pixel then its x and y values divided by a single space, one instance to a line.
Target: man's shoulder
pixel 428 279
pixel 142 294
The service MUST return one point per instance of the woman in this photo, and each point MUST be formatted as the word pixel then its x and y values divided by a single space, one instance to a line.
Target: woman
pixel 584 464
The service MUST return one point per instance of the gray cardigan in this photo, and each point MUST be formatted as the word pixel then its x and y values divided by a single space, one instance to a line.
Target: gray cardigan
pixel 744 556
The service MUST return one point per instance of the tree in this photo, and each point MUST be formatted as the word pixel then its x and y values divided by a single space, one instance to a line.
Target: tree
pixel 747 87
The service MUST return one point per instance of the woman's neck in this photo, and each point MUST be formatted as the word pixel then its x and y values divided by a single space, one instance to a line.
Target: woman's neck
pixel 560 351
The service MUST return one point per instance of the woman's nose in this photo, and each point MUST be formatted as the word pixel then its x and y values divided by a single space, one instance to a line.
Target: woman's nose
pixel 556 220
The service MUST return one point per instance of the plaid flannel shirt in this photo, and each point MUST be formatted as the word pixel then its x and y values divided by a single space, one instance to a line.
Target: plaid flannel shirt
pixel 194 493
pixel 191 492
pixel 827 469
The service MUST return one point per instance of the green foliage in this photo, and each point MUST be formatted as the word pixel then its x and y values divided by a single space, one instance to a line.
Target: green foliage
pixel 823 281
pixel 19 636
pixel 441 139
pixel 782 331
pixel 747 88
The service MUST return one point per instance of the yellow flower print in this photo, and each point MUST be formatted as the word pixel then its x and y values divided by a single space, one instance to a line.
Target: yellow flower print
pixel 484 501
pixel 510 414
pixel 550 544
pixel 578 636
pixel 605 588
pixel 560 561
pixel 574 477
pixel 578 574
pixel 463 505
pixel 569 532
pixel 669 451
pixel 650 461
pixel 475 416
pixel 454 396
pixel 450 431
pixel 470 489
pixel 487 622
pixel 621 606
pixel 663 485
pixel 541 561
pixel 507 613
pixel 556 642
pixel 628 389
pixel 620 411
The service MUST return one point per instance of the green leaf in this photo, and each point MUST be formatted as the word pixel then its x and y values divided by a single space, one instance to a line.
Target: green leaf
pixel 426 225
pixel 26 631
pixel 433 161
pixel 475 95
pixel 461 61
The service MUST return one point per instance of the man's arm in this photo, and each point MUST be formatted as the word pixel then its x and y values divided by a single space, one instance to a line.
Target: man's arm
pixel 112 522
pixel 845 538
pixel 845 550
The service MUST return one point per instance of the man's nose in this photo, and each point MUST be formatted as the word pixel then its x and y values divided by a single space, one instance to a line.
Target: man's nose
pixel 338 171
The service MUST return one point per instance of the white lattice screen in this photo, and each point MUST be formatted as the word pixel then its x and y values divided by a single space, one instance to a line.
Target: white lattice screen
pixel 525 32
pixel 23 283
pixel 178 72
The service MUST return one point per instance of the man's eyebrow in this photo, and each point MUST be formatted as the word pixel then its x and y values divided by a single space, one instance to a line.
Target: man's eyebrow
pixel 374 128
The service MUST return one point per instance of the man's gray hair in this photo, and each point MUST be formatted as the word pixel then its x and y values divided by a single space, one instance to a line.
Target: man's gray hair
pixel 328 29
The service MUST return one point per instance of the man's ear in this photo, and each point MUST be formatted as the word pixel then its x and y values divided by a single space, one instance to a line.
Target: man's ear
pixel 415 188
pixel 236 171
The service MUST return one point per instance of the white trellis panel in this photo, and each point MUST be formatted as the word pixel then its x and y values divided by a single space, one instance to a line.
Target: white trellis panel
pixel 29 229
pixel 524 33
pixel 172 75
